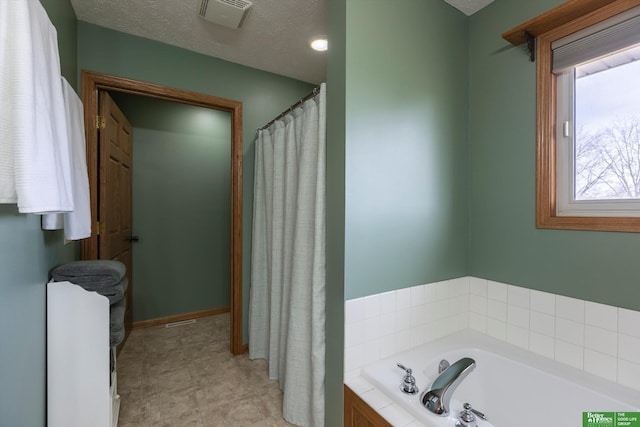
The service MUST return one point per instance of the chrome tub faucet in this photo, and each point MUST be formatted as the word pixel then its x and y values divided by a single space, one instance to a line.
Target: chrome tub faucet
pixel 437 398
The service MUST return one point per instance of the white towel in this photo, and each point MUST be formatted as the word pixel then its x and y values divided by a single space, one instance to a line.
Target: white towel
pixel 34 156
pixel 77 224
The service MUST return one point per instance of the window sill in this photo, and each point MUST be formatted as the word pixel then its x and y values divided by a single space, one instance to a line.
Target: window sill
pixel 619 224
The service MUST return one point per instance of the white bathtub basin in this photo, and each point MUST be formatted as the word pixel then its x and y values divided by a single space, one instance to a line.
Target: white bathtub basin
pixel 513 387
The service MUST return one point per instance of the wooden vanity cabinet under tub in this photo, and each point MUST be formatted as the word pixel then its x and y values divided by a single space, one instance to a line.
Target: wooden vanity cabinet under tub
pixel 357 413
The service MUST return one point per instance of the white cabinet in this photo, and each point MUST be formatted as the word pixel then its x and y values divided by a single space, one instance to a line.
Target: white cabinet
pixel 79 390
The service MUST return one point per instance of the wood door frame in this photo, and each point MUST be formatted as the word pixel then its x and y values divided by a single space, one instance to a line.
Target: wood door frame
pixel 92 83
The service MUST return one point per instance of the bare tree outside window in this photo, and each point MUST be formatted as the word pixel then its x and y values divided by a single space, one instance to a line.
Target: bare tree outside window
pixel 607 161
pixel 607 117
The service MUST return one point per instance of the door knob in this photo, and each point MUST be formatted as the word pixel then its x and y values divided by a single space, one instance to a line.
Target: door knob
pixel 134 238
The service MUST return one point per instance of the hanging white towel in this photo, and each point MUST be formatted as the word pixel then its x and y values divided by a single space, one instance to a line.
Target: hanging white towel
pixel 77 224
pixel 34 155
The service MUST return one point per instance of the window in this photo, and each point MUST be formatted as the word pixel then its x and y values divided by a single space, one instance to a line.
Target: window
pixel 598 119
pixel 588 95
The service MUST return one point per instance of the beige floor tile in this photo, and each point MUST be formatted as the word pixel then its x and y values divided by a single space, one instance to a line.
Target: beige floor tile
pixel 186 377
pixel 213 417
pixel 243 413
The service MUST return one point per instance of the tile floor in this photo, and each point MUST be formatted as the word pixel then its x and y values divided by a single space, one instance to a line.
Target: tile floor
pixel 186 377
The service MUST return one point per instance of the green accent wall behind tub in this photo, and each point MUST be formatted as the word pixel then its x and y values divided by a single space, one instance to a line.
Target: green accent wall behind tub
pixel 263 95
pixel 406 145
pixel 504 243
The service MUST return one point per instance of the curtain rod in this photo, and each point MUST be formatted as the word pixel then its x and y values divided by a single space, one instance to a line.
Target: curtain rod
pixel 314 92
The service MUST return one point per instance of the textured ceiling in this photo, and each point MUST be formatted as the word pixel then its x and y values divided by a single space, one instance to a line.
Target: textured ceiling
pixel 274 37
pixel 469 7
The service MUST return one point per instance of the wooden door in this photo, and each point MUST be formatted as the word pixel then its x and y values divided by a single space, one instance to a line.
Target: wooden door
pixel 114 202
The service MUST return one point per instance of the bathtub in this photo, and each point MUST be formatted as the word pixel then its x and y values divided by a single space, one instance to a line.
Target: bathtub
pixel 511 386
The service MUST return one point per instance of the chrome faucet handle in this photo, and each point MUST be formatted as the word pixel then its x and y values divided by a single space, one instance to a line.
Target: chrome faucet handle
pixel 401 366
pixel 467 417
pixel 444 364
pixel 408 384
pixel 467 406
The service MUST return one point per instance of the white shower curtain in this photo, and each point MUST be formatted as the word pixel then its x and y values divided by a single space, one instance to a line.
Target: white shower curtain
pixel 287 307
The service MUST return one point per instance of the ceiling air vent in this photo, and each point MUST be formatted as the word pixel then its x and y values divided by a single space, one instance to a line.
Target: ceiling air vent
pixel 230 13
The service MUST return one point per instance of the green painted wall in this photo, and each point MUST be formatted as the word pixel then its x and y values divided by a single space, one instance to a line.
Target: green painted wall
pixel 504 243
pixel 26 255
pixel 406 145
pixel 181 206
pixel 335 179
pixel 264 95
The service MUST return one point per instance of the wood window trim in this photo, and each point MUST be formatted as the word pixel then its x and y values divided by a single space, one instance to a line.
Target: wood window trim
pixel 547 28
pixel 552 19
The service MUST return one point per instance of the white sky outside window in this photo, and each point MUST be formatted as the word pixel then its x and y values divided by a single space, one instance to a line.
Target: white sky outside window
pixel 607 128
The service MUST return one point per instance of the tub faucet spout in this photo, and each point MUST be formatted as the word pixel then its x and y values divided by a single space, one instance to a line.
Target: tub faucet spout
pixel 437 398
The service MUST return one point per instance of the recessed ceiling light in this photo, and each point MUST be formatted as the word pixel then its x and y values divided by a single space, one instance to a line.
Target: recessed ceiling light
pixel 319 43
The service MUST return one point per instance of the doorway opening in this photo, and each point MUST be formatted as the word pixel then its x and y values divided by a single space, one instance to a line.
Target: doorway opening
pixel 92 84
